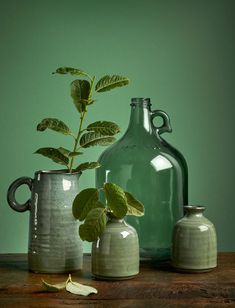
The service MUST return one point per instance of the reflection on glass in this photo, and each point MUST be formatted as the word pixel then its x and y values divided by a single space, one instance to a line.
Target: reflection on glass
pixel 160 163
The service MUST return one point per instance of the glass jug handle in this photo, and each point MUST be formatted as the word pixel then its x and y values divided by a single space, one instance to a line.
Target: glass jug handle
pixel 166 126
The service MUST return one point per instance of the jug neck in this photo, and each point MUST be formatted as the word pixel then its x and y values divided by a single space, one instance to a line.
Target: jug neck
pixel 140 119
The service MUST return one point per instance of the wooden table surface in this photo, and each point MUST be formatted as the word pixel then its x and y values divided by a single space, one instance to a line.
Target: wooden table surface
pixel 155 286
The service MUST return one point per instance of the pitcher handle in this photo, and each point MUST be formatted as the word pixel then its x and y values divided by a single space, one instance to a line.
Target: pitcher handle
pixel 11 194
pixel 166 125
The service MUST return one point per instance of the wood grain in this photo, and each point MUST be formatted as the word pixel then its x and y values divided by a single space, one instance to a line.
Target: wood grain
pixel 155 286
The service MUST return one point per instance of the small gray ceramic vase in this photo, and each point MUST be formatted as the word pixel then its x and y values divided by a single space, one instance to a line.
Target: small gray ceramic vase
pixel 194 247
pixel 115 255
pixel 54 245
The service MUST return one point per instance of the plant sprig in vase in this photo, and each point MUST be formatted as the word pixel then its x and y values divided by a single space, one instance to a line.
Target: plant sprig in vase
pixel 97 133
pixel 88 208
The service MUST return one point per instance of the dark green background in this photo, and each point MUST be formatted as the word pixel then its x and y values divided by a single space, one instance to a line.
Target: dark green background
pixel 179 53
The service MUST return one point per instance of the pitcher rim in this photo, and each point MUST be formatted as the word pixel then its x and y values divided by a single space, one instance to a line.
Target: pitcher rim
pixel 60 171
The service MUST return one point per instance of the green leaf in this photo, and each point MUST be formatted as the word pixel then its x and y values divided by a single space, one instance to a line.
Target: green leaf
pixel 84 202
pixel 73 154
pixel 68 153
pixel 135 207
pixel 87 165
pixel 53 287
pixel 105 128
pixel 64 151
pixel 116 199
pixel 90 139
pixel 94 225
pixel 80 90
pixel 91 101
pixel 99 204
pixel 53 124
pixel 69 70
pixel 54 154
pixel 110 82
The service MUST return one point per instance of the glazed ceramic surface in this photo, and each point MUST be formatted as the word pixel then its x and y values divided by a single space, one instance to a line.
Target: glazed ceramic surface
pixel 54 244
pixel 115 255
pixel 194 242
pixel 143 163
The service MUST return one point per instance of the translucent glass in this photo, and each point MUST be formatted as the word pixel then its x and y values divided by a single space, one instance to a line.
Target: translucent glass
pixel 144 164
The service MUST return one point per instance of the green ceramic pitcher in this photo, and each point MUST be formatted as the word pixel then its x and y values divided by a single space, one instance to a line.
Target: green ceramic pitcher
pixel 54 245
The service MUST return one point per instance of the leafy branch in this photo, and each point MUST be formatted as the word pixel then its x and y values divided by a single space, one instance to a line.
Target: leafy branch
pixel 97 133
pixel 88 208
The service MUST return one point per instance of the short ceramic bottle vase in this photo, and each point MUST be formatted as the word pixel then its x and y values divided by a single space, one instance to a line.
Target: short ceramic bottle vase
pixel 54 245
pixel 115 255
pixel 194 242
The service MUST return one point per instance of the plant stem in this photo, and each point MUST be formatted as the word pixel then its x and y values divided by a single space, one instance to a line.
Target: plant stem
pixel 77 139
pixel 80 130
pixel 87 75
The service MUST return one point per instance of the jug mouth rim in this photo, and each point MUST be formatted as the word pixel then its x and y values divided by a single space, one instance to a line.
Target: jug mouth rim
pixel 60 171
pixel 140 101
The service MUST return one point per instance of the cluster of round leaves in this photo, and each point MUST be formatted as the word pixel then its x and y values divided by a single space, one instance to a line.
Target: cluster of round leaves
pixel 97 133
pixel 87 207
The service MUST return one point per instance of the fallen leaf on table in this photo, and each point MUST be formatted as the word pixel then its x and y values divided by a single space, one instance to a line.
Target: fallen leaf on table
pixel 53 287
pixel 79 289
pixel 70 286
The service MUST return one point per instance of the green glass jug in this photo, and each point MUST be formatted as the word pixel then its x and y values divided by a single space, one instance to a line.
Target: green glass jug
pixel 145 165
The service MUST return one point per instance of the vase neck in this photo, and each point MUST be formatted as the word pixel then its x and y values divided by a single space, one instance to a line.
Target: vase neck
pixel 140 119
pixel 112 218
pixel 194 210
pixel 115 220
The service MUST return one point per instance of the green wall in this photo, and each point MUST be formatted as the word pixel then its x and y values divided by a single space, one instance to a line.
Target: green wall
pixel 179 53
